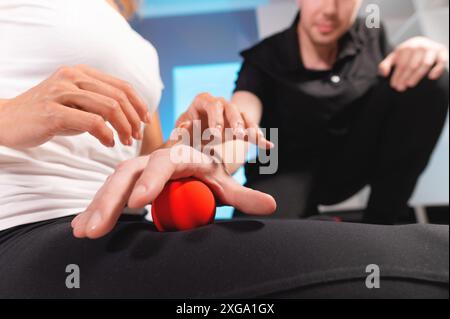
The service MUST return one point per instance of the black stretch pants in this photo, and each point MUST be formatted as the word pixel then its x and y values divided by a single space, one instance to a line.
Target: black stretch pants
pixel 385 140
pixel 233 259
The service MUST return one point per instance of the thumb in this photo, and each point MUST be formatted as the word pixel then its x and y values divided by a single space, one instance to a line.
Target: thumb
pixel 385 67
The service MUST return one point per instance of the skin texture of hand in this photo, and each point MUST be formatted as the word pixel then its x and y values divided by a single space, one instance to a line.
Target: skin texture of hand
pixel 139 181
pixel 412 61
pixel 72 101
pixel 218 114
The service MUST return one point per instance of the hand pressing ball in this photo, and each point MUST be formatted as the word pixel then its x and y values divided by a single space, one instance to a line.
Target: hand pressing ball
pixel 182 205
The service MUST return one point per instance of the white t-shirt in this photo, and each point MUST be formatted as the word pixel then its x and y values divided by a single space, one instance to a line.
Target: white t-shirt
pixel 61 177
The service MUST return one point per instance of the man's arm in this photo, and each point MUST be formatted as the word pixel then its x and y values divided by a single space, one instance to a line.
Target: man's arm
pixel 248 103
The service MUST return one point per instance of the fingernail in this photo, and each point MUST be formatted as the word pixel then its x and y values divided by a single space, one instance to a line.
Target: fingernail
pixel 94 221
pixel 239 132
pixel 130 141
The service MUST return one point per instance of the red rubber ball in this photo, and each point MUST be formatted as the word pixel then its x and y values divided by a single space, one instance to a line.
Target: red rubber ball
pixel 182 205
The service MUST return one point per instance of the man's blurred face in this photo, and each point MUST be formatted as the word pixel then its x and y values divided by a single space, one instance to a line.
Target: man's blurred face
pixel 325 21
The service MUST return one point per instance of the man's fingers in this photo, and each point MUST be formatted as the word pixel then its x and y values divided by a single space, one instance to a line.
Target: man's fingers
pixel 137 102
pixel 417 76
pixel 437 71
pixel 214 110
pixel 206 106
pixel 441 64
pixel 76 120
pixel 414 63
pixel 421 70
pixel 255 135
pixel 235 120
pixel 386 65
pixel 401 66
pixel 107 206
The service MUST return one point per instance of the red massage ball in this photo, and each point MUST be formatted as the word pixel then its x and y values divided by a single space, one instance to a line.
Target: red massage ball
pixel 183 204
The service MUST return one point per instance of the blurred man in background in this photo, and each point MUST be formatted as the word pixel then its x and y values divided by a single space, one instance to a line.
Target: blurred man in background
pixel 351 110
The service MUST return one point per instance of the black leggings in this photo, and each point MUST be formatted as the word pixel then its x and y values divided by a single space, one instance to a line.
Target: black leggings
pixel 233 259
pixel 384 140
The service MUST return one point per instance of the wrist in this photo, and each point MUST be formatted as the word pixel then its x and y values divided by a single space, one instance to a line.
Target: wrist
pixel 232 154
pixel 218 160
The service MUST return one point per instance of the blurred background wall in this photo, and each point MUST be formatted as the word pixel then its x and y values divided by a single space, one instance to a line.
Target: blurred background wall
pixel 199 43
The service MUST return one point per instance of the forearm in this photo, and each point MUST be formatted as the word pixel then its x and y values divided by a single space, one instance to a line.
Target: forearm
pixel 249 104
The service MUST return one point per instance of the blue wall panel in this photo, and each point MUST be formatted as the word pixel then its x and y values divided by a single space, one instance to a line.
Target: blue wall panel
pixel 196 40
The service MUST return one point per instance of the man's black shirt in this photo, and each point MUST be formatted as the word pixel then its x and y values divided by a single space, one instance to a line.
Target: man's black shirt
pixel 309 106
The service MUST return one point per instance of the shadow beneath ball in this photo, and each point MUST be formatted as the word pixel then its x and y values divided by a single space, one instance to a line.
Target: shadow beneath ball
pixel 198 235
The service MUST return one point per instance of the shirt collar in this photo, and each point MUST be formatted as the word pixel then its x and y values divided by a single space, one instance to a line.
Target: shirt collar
pixel 349 45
